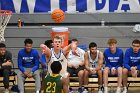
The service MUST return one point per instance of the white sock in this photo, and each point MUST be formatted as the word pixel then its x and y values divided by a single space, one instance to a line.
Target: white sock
pixel 118 88
pixel 124 88
pixel 105 88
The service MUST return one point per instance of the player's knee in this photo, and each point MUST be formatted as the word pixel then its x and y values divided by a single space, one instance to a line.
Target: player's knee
pixel 106 70
pixel 99 73
pixel 125 71
pixel 120 70
pixel 81 73
pixel 86 72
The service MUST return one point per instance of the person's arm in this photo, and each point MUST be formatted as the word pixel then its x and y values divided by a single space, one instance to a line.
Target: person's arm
pixel 126 60
pixel 36 67
pixel 45 50
pixel 20 63
pixel 82 58
pixel 107 62
pixel 86 61
pixel 120 61
pixel 8 59
pixel 65 84
pixel 100 61
pixel 67 49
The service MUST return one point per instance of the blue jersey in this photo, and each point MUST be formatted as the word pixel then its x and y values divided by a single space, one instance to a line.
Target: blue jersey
pixel 113 60
pixel 28 60
pixel 131 59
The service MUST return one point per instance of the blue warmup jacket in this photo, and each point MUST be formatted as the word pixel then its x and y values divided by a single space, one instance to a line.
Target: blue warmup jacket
pixel 28 60
pixel 131 59
pixel 113 60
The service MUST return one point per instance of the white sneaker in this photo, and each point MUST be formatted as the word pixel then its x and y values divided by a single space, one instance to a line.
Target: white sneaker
pixel 118 90
pixel 100 91
pixel 105 90
pixel 124 91
pixel 6 91
pixel 37 91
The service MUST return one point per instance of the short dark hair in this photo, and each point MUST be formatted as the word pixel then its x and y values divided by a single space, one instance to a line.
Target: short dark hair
pixel 48 43
pixel 28 41
pixel 92 44
pixel 56 67
pixel 2 45
pixel 136 41
pixel 75 40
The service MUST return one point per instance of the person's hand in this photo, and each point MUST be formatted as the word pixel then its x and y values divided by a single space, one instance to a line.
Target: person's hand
pixel 43 48
pixel 7 63
pixel 75 52
pixel 30 74
pixel 26 73
pixel 73 46
pixel 92 70
pixel 98 68
pixel 76 66
pixel 113 70
pixel 70 65
pixel 133 71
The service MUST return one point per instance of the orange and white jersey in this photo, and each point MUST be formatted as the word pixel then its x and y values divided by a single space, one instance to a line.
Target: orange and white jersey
pixel 61 58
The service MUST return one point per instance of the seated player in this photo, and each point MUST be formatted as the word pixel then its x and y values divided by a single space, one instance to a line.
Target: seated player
pixel 5 65
pixel 55 83
pixel 114 60
pixel 93 64
pixel 76 64
pixel 28 63
pixel 131 62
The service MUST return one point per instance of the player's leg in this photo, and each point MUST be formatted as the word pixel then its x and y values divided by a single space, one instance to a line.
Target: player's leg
pixel 125 77
pixel 36 76
pixel 105 77
pixel 70 72
pixel 100 80
pixel 119 72
pixel 21 78
pixel 6 74
pixel 80 71
pixel 86 74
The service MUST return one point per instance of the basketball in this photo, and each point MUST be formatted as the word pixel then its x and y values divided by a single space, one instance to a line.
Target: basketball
pixel 58 16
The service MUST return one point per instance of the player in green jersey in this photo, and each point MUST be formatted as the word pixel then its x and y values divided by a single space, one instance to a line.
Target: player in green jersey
pixel 55 83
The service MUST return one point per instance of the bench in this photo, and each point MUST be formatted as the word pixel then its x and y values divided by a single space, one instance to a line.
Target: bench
pixel 112 81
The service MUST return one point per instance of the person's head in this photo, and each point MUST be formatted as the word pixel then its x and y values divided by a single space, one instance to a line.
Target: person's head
pixel 93 47
pixel 48 43
pixel 57 42
pixel 56 67
pixel 112 43
pixel 28 44
pixel 136 45
pixel 2 49
pixel 75 41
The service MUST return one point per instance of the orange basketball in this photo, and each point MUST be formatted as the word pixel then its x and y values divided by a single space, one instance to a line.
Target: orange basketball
pixel 58 15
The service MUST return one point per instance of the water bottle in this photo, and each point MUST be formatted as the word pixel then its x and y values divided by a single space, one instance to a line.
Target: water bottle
pixel 92 90
pixel 19 23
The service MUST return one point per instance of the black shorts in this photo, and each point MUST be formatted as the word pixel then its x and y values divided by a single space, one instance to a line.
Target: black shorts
pixel 75 71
